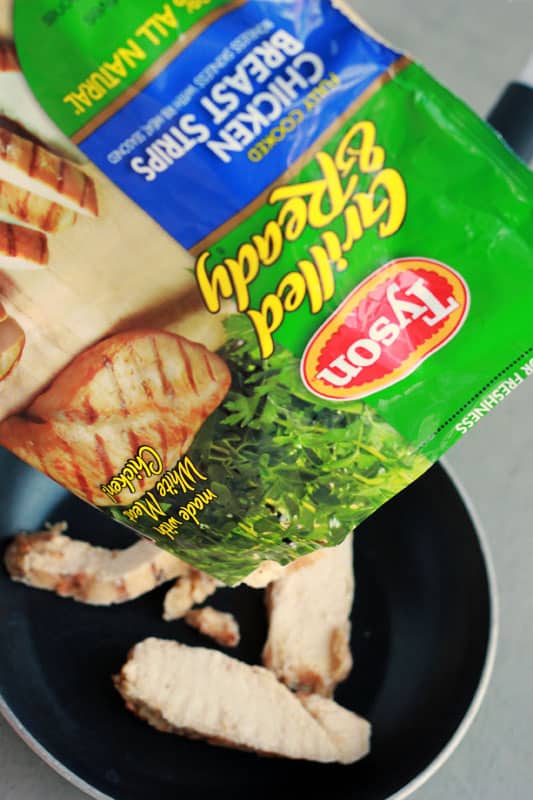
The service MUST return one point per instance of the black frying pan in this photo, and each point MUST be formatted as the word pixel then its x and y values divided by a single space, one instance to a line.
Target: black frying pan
pixel 512 116
pixel 422 627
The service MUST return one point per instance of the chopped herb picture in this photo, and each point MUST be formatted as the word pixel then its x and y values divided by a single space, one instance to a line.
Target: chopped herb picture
pixel 291 472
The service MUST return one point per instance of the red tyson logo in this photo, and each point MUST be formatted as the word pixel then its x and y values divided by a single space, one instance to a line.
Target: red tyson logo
pixel 399 316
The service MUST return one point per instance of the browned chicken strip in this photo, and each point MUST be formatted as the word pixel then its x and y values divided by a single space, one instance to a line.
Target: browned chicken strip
pixel 22 248
pixel 92 575
pixel 34 168
pixel 134 389
pixel 19 205
pixel 18 104
pixel 205 694
pixel 221 627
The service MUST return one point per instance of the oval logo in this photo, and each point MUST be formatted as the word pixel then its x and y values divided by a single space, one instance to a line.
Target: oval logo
pixel 399 316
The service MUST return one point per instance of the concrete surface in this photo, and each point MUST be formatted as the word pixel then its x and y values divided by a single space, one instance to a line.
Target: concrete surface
pixel 475 47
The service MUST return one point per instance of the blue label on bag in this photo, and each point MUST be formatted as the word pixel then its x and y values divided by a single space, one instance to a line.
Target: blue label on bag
pixel 269 76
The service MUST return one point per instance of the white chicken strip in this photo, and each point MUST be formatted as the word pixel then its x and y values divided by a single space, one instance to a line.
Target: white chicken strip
pixel 189 590
pixel 221 627
pixel 308 644
pixel 269 571
pixel 204 693
pixel 93 575
pixel 339 724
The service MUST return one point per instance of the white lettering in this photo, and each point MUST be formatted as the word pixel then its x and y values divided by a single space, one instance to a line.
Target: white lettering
pixel 384 332
pixel 439 311
pixel 402 308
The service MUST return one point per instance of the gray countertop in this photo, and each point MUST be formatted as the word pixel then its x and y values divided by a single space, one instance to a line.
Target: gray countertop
pixel 475 47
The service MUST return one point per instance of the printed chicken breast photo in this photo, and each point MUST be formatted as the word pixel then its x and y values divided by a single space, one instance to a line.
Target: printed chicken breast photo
pixel 138 389
pixel 93 398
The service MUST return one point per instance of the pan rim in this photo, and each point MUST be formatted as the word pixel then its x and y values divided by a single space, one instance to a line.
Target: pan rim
pixel 492 645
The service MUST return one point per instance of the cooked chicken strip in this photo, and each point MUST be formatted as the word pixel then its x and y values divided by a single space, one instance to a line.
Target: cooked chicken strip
pixel 18 103
pixel 269 571
pixel 30 166
pixel 338 722
pixel 188 591
pixel 22 248
pixel 134 389
pixel 221 627
pixel 206 694
pixel 20 206
pixel 93 575
pixel 308 645
pixel 265 573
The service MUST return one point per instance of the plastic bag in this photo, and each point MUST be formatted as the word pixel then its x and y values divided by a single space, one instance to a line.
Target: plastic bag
pixel 352 241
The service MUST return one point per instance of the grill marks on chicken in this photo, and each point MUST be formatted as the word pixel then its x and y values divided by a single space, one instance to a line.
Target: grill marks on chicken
pixel 22 206
pixel 139 387
pixel 17 101
pixel 40 191
pixel 30 166
pixel 22 248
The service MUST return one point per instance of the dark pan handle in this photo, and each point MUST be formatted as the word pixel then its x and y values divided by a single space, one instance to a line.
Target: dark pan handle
pixel 512 116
